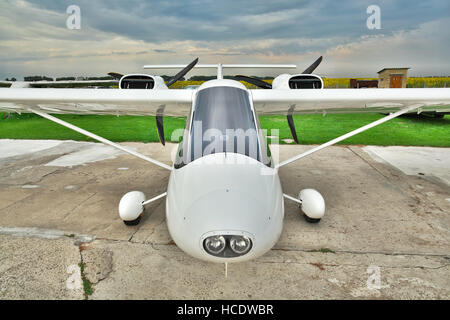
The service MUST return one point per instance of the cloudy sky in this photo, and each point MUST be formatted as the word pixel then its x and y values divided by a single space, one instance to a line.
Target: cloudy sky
pixel 121 36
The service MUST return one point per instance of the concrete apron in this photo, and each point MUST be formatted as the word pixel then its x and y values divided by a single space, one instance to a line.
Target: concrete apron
pixel 385 233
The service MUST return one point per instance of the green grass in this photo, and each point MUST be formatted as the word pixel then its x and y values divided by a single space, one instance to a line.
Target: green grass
pixel 406 131
pixel 119 129
pixel 311 129
pixel 87 285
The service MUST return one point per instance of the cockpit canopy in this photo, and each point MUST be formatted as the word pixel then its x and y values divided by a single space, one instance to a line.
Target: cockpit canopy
pixel 222 122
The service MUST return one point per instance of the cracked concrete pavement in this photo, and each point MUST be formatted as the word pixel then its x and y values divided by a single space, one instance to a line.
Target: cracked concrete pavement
pixel 385 233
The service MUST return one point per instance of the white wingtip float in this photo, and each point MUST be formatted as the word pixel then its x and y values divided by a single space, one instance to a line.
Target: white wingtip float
pixel 224 200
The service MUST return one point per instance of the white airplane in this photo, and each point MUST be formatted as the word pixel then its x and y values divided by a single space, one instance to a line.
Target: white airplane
pixel 224 200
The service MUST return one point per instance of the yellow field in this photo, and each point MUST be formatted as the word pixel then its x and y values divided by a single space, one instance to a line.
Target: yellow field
pixel 413 82
pixel 435 82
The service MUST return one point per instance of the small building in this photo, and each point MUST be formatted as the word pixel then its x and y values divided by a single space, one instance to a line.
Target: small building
pixel 392 77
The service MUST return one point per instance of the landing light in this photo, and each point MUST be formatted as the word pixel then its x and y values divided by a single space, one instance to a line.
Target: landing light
pixel 240 244
pixel 227 246
pixel 215 244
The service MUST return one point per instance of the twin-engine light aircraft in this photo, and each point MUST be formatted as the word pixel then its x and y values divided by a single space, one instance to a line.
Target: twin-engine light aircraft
pixel 224 200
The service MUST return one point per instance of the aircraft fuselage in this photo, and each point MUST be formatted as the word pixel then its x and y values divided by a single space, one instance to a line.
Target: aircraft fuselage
pixel 224 185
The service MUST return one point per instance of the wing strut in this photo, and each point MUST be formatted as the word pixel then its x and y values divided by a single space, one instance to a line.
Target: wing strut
pixel 98 138
pixel 348 135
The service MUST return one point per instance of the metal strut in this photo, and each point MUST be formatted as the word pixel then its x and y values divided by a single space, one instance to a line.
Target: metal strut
pixel 100 139
pixel 348 135
pixel 154 199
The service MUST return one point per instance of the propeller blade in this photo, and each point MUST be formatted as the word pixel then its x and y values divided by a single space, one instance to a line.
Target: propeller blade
pixel 181 74
pixel 254 81
pixel 291 124
pixel 115 75
pixel 160 124
pixel 313 67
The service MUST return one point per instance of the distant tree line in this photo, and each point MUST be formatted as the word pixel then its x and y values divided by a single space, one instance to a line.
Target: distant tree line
pixel 65 79
pixel 37 78
pixel 99 78
pixel 45 78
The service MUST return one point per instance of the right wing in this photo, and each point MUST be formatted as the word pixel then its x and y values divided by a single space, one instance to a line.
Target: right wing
pixel 176 102
pixel 282 101
pixel 398 101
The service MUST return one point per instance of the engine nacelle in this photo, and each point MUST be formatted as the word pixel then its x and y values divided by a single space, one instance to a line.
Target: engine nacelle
pixel 141 81
pixel 297 81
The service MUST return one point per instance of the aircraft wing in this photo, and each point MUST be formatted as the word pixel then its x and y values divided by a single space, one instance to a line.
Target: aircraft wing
pixel 282 101
pixel 176 102
pixel 55 84
pixel 50 84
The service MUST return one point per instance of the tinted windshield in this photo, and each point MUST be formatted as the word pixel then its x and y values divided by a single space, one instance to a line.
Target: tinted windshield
pixel 223 122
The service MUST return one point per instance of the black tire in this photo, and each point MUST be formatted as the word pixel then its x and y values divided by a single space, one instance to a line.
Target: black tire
pixel 133 222
pixel 310 220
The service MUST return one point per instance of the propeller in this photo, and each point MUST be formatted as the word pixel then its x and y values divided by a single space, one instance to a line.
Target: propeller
pixel 265 85
pixel 291 124
pixel 171 81
pixel 181 74
pixel 313 67
pixel 160 124
pixel 160 112
pixel 254 81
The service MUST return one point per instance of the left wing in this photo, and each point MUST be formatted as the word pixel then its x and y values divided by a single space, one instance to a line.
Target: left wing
pixel 97 101
pixel 282 101
pixel 176 102
pixel 56 84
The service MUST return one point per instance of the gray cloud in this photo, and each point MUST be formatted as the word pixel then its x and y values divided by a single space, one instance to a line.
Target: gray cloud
pixel 158 21
pixel 128 34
